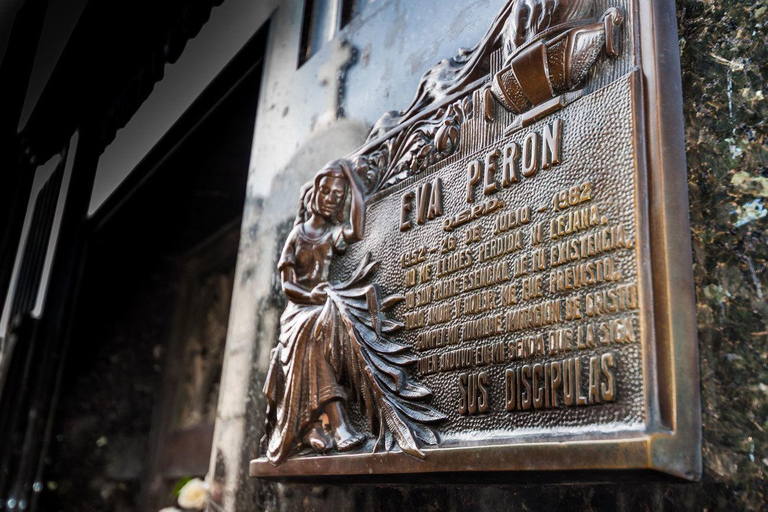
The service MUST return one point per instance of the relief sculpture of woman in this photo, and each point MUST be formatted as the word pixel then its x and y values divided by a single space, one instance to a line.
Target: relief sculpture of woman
pixel 334 345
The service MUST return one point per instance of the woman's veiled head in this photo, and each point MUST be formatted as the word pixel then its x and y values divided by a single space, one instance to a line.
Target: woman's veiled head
pixel 329 191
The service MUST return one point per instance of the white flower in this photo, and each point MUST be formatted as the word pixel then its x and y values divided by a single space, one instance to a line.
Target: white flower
pixel 170 509
pixel 193 494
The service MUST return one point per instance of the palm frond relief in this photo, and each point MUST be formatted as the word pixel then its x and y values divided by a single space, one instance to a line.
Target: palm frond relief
pixel 374 366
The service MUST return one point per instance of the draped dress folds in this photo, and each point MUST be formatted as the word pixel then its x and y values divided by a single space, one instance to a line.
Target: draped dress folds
pixel 301 381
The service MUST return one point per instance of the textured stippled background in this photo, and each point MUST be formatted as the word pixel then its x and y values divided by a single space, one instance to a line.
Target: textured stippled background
pixel 597 146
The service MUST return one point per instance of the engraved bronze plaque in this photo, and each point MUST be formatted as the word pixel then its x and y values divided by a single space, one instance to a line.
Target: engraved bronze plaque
pixel 500 279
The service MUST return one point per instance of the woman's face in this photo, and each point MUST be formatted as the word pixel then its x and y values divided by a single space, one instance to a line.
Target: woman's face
pixel 330 196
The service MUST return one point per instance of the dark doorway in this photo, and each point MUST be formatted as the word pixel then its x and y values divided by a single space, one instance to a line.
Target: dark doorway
pixel 138 394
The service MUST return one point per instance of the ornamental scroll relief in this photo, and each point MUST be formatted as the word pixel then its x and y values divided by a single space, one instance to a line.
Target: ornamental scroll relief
pixel 339 352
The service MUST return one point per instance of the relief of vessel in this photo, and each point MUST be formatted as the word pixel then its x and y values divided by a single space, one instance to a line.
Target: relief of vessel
pixel 550 46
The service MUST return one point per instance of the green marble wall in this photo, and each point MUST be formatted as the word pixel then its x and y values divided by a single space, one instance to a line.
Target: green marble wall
pixel 724 52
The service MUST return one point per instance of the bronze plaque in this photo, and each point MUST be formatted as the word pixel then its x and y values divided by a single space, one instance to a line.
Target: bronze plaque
pixel 500 279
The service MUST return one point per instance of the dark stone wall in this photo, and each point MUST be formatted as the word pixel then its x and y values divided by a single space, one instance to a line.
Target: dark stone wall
pixel 109 388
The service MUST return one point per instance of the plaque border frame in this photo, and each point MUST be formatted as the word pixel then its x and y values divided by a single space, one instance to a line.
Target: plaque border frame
pixel 671 443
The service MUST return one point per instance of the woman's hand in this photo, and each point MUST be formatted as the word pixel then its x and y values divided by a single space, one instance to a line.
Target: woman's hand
pixel 298 294
pixel 356 228
pixel 318 294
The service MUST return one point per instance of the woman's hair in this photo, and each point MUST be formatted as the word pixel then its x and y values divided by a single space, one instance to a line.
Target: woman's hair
pixel 308 200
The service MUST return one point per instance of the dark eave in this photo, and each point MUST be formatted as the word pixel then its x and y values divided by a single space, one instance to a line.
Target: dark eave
pixel 117 52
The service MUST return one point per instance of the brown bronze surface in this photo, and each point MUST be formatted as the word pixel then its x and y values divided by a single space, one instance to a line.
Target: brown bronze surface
pixel 500 279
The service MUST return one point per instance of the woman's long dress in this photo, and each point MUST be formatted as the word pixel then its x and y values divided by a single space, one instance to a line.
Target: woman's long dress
pixel 301 381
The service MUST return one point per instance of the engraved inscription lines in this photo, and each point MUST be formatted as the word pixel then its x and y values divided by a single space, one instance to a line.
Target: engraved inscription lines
pixel 537 273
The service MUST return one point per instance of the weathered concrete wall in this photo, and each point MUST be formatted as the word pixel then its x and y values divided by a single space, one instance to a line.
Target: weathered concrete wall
pixel 325 109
